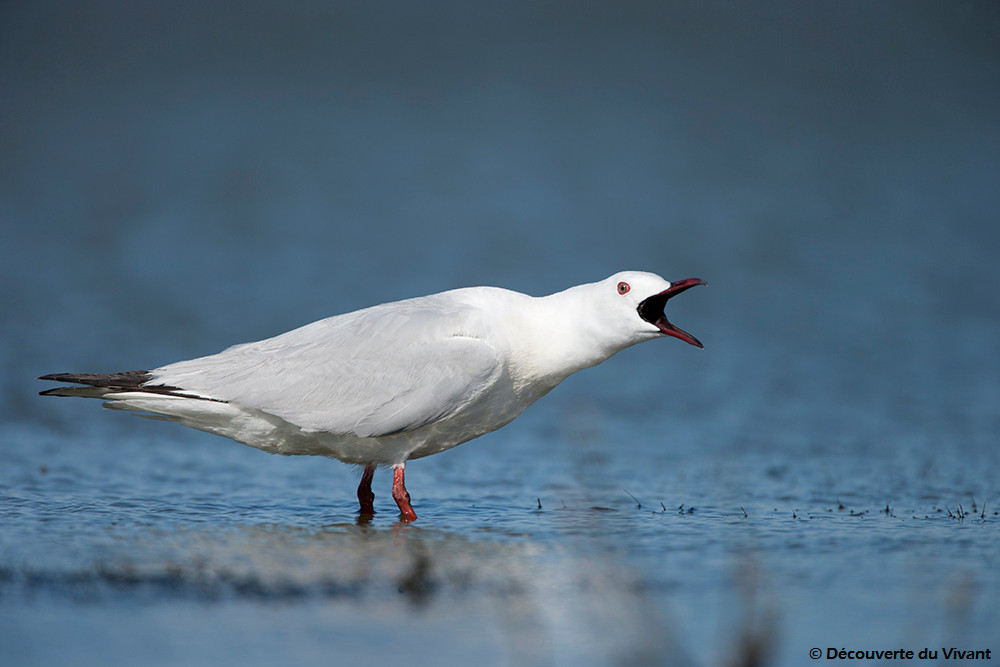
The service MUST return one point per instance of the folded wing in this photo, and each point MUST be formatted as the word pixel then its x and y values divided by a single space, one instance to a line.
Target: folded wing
pixel 370 373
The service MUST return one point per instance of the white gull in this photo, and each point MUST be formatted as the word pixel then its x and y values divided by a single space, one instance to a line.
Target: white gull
pixel 400 380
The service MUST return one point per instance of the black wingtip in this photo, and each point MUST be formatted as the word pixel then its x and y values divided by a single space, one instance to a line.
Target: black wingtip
pixel 113 383
pixel 125 380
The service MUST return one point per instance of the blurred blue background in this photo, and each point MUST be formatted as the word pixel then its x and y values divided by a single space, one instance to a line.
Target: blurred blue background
pixel 179 177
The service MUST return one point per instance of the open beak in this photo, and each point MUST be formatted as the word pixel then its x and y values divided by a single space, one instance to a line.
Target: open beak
pixel 651 310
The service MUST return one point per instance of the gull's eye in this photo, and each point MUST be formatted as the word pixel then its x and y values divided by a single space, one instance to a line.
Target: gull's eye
pixel 623 288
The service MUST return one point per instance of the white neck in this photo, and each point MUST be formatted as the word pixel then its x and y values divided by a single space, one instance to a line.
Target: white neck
pixel 563 334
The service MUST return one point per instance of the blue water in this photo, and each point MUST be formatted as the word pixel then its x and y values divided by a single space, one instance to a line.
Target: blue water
pixel 177 179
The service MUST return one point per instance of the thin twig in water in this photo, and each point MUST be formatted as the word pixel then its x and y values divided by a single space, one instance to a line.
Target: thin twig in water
pixel 638 505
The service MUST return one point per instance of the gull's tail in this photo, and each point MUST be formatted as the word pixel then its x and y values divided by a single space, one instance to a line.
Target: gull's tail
pixel 133 392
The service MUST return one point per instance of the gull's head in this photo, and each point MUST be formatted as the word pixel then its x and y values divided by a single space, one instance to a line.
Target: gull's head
pixel 638 299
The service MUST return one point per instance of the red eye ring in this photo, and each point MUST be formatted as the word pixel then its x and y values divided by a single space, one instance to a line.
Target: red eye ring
pixel 623 288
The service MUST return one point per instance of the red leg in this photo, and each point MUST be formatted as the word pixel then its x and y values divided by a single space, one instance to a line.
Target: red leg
pixel 365 495
pixel 400 495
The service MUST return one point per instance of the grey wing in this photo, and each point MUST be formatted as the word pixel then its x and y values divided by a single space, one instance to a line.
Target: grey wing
pixel 443 378
pixel 336 377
